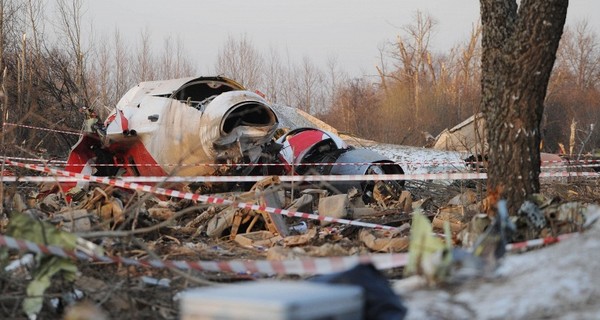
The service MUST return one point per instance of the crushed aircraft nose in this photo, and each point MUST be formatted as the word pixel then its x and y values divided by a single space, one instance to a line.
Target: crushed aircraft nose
pixel 168 127
pixel 204 120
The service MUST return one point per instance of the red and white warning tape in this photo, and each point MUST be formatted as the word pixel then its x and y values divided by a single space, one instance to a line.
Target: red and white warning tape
pixel 297 266
pixel 460 165
pixel 569 174
pixel 298 178
pixel 53 161
pixel 197 197
pixel 561 164
pixel 37 179
pixel 216 200
pixel 538 242
pixel 41 128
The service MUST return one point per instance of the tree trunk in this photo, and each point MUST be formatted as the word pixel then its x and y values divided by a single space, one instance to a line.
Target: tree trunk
pixel 519 48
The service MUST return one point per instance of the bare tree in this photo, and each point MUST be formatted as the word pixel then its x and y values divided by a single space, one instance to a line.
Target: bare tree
pixel 102 78
pixel 144 68
pixel 173 62
pixel 35 10
pixel 121 65
pixel 274 75
pixel 573 91
pixel 354 107
pixel 308 81
pixel 469 72
pixel 333 79
pixel 239 60
pixel 413 89
pixel 166 60
pixel 10 35
pixel 183 67
pixel 519 46
pixel 288 84
pixel 579 52
pixel 70 22
pixel 414 56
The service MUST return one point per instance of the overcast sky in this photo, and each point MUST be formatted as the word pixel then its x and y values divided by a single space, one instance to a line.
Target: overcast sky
pixel 349 30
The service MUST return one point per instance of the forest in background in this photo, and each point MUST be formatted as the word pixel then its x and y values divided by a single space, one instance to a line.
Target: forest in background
pixel 55 72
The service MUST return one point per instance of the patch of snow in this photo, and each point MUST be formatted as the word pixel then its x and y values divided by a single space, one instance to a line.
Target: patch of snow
pixel 558 281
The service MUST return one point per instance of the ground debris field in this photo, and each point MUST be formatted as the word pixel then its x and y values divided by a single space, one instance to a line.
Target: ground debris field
pixel 123 224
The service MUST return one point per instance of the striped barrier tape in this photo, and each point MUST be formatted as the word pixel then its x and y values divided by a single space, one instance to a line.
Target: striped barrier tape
pixel 235 165
pixel 538 242
pixel 297 178
pixel 559 164
pixel 440 175
pixel 210 199
pixel 297 266
pixel 197 197
pixel 43 129
pixel 57 161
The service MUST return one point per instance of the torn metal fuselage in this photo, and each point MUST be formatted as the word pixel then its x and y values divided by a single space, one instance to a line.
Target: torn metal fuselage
pixel 173 127
pixel 190 126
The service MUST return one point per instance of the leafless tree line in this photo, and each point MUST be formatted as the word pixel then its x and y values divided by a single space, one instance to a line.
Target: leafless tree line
pixel 55 69
pixel 573 101
pixel 303 85
pixel 420 92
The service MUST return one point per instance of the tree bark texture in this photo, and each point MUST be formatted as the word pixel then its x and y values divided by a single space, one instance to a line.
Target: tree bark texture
pixel 519 49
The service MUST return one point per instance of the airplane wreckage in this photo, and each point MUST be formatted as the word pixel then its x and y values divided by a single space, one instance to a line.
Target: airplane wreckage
pixel 214 126
pixel 201 126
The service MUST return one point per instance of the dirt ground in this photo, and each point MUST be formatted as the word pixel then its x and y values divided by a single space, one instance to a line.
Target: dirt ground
pixel 178 232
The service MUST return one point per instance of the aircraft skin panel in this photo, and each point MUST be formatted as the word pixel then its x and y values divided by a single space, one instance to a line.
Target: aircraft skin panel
pixel 151 88
pixel 139 162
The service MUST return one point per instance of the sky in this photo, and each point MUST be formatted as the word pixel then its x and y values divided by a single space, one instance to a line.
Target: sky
pixel 349 31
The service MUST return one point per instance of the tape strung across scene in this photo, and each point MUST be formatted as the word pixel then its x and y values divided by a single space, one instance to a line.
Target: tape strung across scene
pixel 538 242
pixel 296 266
pixel 306 266
pixel 301 266
pixel 216 200
pixel 320 178
pixel 77 133
pixel 551 164
pixel 53 161
pixel 284 178
pixel 196 197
